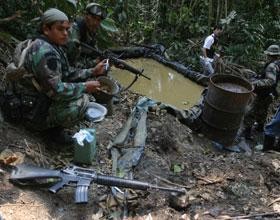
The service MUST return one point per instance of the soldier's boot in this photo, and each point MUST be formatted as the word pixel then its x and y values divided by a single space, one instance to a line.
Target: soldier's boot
pixel 268 143
pixel 247 133
pixel 61 136
pixel 277 145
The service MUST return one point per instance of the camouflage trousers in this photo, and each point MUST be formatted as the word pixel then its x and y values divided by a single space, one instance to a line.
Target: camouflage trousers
pixel 60 114
pixel 258 113
pixel 67 114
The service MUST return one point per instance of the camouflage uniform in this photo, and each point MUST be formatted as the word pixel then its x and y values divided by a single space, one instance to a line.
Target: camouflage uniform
pixel 51 80
pixel 264 88
pixel 78 56
pixel 81 33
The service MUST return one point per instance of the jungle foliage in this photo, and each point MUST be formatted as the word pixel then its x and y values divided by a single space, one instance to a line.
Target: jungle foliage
pixel 180 25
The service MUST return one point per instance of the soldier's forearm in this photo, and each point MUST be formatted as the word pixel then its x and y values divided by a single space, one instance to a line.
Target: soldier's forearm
pixel 79 75
pixel 263 83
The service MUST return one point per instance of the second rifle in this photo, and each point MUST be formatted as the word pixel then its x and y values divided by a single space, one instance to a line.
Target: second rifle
pixel 114 60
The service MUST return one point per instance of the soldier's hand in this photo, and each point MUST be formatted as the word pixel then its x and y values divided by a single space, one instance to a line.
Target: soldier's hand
pixel 92 86
pixel 99 69
pixel 98 59
pixel 254 83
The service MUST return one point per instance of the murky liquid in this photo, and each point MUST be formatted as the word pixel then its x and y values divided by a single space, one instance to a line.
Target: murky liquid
pixel 232 87
pixel 166 85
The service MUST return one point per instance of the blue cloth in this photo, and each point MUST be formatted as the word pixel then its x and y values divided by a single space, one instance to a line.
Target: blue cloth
pixel 144 103
pixel 273 127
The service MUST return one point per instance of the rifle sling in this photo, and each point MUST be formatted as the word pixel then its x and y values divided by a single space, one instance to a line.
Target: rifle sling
pixel 131 84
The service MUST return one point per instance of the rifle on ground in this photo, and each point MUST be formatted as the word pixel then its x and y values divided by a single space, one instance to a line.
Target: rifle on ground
pixel 80 178
pixel 114 60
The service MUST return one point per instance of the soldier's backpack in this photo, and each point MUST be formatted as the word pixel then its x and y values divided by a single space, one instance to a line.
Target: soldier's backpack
pixel 17 106
pixel 275 89
pixel 15 70
pixel 11 102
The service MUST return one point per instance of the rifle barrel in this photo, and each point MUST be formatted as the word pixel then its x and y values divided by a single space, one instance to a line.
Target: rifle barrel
pixel 133 184
pixel 90 48
pixel 168 189
pixel 128 67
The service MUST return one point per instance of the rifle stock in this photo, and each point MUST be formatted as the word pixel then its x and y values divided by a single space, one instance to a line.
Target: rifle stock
pixel 25 171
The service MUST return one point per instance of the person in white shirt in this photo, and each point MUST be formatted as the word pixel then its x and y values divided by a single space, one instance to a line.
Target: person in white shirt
pixel 208 51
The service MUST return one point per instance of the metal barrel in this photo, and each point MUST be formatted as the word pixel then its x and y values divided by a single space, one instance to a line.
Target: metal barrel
pixel 224 107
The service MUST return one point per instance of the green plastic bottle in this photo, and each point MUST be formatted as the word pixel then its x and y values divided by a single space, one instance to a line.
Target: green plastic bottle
pixel 86 153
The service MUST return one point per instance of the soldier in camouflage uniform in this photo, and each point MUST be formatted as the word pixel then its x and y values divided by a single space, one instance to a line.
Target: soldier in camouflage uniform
pixel 272 130
pixel 56 97
pixel 265 88
pixel 84 30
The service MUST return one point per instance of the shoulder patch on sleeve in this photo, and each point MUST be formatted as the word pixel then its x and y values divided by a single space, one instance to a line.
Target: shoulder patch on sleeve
pixel 52 63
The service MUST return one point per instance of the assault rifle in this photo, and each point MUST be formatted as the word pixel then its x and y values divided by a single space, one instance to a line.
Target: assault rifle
pixel 80 178
pixel 114 60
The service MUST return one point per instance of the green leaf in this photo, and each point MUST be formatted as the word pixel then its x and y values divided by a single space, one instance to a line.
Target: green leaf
pixel 120 173
pixel 115 215
pixel 109 25
pixel 67 6
pixel 73 2
pixel 4 36
pixel 177 168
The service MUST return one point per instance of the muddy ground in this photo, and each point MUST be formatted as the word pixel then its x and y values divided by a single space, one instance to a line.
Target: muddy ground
pixel 219 184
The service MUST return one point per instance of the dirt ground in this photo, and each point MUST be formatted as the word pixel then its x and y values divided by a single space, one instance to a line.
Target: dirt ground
pixel 219 184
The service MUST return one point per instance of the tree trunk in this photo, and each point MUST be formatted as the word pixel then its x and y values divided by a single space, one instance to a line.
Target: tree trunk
pixel 218 12
pixel 210 14
pixel 226 8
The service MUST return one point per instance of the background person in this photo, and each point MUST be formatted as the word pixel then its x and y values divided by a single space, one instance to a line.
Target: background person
pixel 208 51
pixel 265 88
pixel 271 131
pixel 84 30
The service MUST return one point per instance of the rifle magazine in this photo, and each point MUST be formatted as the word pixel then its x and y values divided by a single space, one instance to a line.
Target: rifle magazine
pixel 81 194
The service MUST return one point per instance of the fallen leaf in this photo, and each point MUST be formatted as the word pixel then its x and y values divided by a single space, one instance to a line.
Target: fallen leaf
pixel 276 207
pixel 177 168
pixel 197 216
pixel 276 164
pixel 185 217
pixel 149 217
pixel 98 215
pixel 261 180
pixel 9 159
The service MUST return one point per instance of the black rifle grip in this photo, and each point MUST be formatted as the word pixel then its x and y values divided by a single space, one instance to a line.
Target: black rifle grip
pixel 55 188
pixel 81 194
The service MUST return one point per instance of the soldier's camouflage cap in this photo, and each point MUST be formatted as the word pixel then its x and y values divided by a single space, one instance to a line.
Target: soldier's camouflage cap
pixel 272 50
pixel 96 9
pixel 52 15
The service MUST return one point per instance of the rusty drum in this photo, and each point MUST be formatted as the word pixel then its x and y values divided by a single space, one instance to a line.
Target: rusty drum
pixel 224 107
